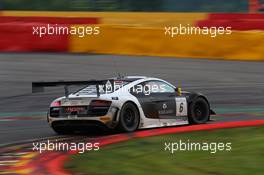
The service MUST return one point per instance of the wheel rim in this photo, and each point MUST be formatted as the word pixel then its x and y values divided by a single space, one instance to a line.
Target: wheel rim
pixel 200 111
pixel 130 118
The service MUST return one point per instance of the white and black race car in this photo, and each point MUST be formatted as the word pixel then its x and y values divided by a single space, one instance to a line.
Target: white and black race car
pixel 125 103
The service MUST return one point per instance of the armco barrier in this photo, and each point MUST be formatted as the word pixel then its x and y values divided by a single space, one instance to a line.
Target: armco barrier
pixel 153 42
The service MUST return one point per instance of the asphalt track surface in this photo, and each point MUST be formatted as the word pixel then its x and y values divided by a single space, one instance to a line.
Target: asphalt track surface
pixel 235 89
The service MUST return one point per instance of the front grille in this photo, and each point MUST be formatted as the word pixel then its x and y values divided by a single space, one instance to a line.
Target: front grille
pixel 86 111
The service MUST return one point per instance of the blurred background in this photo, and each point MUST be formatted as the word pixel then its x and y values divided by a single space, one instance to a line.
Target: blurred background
pixel 121 22
pixel 129 5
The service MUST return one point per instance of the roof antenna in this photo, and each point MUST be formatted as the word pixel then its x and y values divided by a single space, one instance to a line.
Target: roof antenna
pixel 119 75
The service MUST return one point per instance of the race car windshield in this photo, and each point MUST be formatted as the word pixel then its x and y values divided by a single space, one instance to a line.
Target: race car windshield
pixel 109 86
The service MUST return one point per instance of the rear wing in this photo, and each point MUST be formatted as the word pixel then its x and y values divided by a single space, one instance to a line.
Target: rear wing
pixel 39 86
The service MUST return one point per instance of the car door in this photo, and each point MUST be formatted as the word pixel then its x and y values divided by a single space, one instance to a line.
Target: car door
pixel 162 96
pixel 145 98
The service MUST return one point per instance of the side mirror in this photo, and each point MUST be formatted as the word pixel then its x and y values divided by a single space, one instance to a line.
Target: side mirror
pixel 179 91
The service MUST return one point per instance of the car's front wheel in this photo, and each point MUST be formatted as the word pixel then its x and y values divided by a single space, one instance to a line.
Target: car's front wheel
pixel 199 111
pixel 129 118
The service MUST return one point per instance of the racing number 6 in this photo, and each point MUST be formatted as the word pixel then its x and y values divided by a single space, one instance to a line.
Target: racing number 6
pixel 181 108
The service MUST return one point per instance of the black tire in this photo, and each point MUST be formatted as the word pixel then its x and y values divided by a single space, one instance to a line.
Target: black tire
pixel 199 111
pixel 129 118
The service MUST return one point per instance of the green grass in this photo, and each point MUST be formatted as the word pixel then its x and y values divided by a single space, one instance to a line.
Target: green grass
pixel 147 155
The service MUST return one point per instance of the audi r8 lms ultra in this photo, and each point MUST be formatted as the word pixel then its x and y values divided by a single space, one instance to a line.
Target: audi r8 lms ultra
pixel 125 103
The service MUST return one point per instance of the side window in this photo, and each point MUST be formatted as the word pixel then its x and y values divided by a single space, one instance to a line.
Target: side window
pixel 159 87
pixel 151 87
pixel 167 88
pixel 139 90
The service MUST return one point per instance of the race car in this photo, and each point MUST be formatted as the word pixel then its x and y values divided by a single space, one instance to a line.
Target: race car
pixel 124 103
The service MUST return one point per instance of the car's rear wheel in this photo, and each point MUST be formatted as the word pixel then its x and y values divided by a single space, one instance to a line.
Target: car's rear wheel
pixel 199 111
pixel 129 118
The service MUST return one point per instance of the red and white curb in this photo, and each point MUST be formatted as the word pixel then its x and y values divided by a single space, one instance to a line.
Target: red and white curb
pixel 53 162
